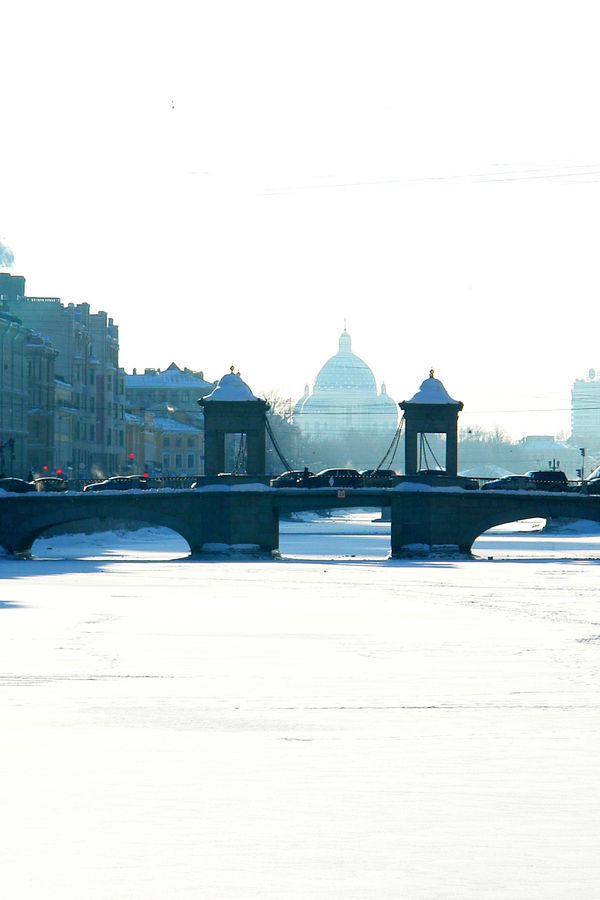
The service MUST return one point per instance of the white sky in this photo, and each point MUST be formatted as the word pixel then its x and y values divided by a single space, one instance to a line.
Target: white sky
pixel 231 180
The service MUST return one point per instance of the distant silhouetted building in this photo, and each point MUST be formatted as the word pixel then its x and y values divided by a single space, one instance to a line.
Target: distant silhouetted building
pixel 585 411
pixel 344 399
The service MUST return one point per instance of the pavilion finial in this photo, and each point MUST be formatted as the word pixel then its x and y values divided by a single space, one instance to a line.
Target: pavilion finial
pixel 232 369
pixel 431 373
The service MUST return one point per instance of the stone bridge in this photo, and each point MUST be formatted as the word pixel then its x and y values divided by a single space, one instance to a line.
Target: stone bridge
pixel 247 515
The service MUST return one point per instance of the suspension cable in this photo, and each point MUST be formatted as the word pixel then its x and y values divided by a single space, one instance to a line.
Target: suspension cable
pixel 276 446
pixel 393 446
pixel 240 457
pixel 424 436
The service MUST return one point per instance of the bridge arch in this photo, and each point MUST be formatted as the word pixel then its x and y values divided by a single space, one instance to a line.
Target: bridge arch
pixel 474 528
pixel 83 534
pixel 56 520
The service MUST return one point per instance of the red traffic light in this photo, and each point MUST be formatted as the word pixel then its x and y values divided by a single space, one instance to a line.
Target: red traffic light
pixel 131 456
pixel 45 468
pixel 59 471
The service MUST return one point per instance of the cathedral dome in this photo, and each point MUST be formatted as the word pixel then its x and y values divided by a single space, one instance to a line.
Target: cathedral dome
pixel 345 399
pixel 345 372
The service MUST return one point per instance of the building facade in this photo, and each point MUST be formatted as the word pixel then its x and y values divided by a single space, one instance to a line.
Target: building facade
pixel 164 419
pixel 40 358
pixel 87 347
pixel 14 338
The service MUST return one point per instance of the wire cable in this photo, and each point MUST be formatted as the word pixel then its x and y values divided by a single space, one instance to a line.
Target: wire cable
pixel 276 446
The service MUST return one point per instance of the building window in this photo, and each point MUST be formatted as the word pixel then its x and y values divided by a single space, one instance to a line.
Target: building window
pixel 166 442
pixel 178 442
pixel 190 442
pixel 92 432
pixel 121 439
pixel 109 437
pixel 178 461
pixel 191 461
pixel 92 376
pixel 166 460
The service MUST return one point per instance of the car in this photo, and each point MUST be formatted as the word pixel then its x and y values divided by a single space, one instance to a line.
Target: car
pixel 508 483
pixel 50 483
pixel 16 485
pixel 293 478
pixel 121 483
pixel 379 477
pixel 337 478
pixel 548 480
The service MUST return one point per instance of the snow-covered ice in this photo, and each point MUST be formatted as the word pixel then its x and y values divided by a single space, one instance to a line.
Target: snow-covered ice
pixel 332 724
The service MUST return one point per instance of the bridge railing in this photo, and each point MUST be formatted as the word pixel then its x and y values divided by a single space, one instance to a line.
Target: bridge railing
pixel 168 481
pixel 180 482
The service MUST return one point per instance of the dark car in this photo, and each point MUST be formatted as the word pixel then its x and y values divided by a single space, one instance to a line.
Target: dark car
pixel 16 486
pixel 548 480
pixel 379 477
pixel 293 478
pixel 509 483
pixel 591 485
pixel 121 483
pixel 337 478
pixel 50 483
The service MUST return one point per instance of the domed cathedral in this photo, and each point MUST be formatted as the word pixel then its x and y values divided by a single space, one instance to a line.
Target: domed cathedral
pixel 345 401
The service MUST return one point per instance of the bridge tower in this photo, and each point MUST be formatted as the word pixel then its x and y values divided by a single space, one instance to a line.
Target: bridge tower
pixel 431 411
pixel 232 408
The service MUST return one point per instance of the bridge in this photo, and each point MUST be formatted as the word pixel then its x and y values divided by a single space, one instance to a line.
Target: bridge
pixel 246 516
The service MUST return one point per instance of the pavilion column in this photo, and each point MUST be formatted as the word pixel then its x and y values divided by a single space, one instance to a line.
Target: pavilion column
pixel 452 452
pixel 410 448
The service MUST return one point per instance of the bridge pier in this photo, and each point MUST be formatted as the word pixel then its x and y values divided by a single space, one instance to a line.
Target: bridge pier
pixel 427 522
pixel 238 519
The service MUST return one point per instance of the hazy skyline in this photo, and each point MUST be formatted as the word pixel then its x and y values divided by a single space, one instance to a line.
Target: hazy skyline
pixel 232 181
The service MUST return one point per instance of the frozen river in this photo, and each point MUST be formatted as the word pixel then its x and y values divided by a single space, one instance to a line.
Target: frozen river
pixel 333 724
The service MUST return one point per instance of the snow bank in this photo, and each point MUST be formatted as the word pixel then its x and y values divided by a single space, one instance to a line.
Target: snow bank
pixel 256 487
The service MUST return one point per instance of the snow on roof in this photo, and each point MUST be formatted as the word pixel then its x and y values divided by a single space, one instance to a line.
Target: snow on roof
pixel 432 391
pixel 172 377
pixel 173 425
pixel 231 388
